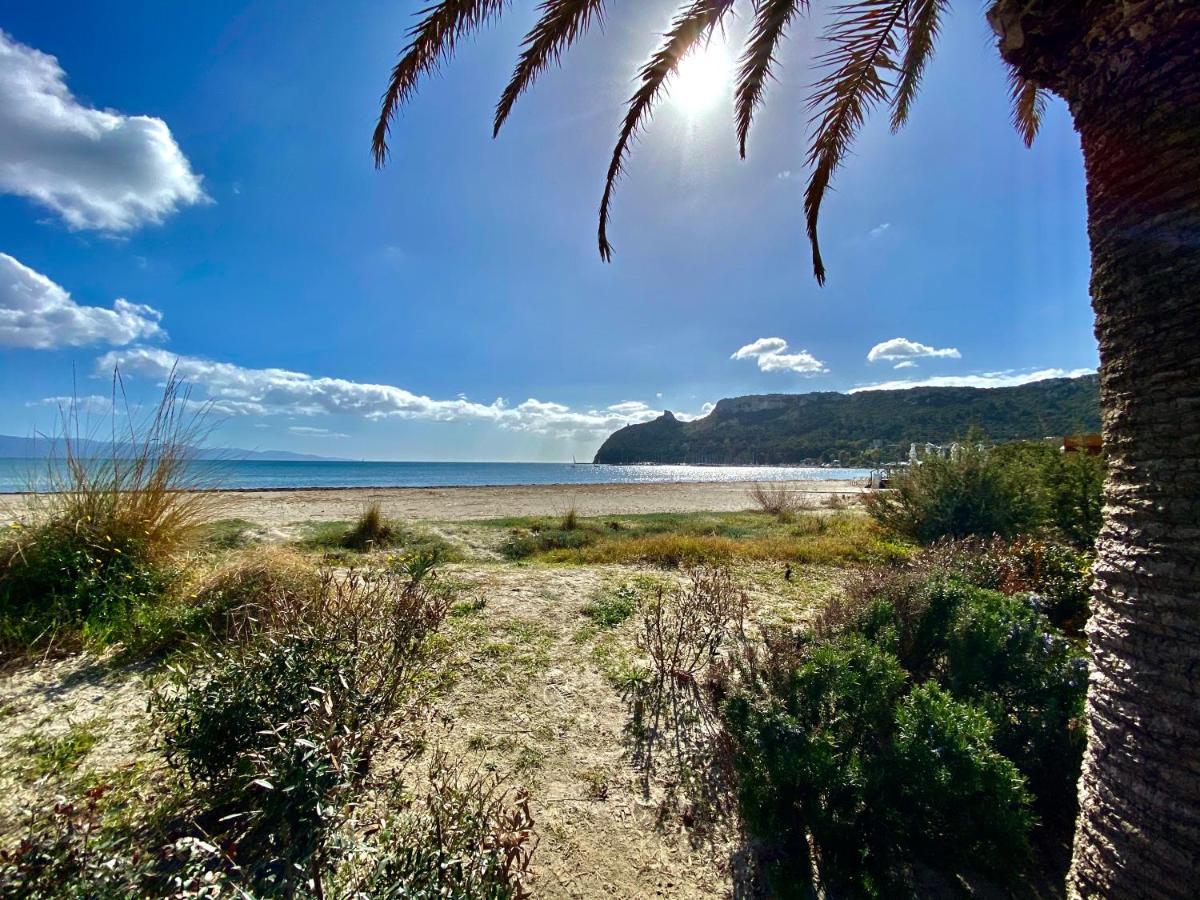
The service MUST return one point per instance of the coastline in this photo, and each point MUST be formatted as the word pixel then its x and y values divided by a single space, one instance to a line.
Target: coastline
pixel 281 506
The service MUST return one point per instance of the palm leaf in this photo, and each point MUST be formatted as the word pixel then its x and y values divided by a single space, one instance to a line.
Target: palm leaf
pixel 431 41
pixel 695 21
pixel 922 24
pixel 863 35
pixel 562 22
pixel 771 19
pixel 1029 105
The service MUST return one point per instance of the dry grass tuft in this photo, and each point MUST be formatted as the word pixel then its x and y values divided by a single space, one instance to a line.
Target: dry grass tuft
pixel 778 499
pixel 146 487
pixel 250 590
pixel 371 531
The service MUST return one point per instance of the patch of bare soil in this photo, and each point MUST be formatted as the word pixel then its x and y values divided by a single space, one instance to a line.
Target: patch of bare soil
pixel 538 695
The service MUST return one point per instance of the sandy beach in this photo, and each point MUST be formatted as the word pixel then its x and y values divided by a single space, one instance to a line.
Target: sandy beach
pixel 272 508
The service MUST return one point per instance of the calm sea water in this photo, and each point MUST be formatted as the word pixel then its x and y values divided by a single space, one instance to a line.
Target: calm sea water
pixel 20 474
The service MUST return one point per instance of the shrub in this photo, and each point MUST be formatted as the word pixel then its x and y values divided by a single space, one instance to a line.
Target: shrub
pixel 968 802
pixel 465 837
pixel 809 725
pixel 62 584
pixel 1008 490
pixel 275 728
pixel 776 499
pixel 1057 574
pixel 570 521
pixel 971 494
pixel 1003 655
pixel 827 744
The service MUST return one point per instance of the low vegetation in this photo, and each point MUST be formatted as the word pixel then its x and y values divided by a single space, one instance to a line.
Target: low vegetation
pixel 1010 490
pixel 694 539
pixel 96 551
pixel 370 532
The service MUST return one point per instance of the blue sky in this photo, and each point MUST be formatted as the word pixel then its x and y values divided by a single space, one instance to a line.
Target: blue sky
pixel 208 165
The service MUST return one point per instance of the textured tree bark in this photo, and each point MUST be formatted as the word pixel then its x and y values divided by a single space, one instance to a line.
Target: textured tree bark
pixel 1130 72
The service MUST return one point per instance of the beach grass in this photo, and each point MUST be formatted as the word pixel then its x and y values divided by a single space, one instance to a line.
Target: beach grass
pixel 684 539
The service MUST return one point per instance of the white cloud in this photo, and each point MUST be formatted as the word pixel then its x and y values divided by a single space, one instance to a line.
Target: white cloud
pixel 691 417
pixel 879 229
pixel 906 364
pixel 772 357
pixel 903 350
pixel 37 313
pixel 234 391
pixel 1006 378
pixel 92 403
pixel 306 431
pixel 98 169
pixel 785 175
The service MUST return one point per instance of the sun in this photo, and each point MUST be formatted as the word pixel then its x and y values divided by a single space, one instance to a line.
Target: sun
pixel 702 78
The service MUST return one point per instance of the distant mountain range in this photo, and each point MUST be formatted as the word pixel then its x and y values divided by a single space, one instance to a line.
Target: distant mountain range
pixel 778 429
pixel 41 447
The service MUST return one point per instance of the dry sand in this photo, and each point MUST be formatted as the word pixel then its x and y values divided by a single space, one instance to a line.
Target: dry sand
pixel 274 508
pixel 271 508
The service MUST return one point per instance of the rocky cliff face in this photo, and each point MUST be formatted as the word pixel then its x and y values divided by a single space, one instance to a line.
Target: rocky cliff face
pixel 773 429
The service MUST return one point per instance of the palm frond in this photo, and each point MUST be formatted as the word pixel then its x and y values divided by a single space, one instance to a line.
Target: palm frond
pixel 771 19
pixel 562 22
pixel 863 35
pixel 1029 105
pixel 431 41
pixel 694 21
pixel 922 25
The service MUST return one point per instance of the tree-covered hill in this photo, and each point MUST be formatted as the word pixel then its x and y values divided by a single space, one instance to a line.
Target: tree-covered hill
pixel 869 426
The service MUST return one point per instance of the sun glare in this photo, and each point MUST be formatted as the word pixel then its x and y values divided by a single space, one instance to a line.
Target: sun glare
pixel 702 78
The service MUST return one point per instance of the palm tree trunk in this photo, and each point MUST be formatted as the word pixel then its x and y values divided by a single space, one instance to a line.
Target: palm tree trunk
pixel 1130 72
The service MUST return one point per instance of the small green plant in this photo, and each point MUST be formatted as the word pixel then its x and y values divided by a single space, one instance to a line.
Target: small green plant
pixel 571 520
pixel 64 584
pixel 612 607
pixel 59 754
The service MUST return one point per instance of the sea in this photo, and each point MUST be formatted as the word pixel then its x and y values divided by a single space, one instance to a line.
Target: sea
pixel 25 474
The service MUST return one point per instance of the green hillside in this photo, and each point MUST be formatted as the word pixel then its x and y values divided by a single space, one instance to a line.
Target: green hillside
pixel 775 429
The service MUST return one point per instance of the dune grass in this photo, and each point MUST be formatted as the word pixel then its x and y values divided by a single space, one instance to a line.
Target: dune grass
pixel 686 539
pixel 370 532
pixel 98 546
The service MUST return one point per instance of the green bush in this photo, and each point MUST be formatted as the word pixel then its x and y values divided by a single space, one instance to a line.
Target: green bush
pixel 1004 656
pixel 924 720
pixel 1058 575
pixel 62 583
pixel 827 744
pixel 965 803
pixel 1008 490
pixel 274 729
pixel 371 531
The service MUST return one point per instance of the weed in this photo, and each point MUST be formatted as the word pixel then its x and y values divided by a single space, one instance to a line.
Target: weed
pixel 60 754
pixel 612 607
